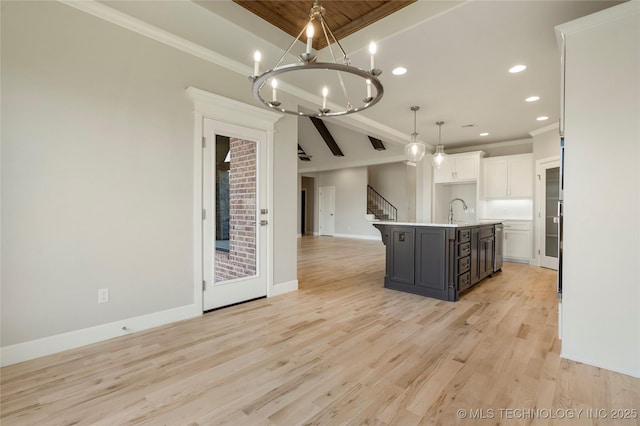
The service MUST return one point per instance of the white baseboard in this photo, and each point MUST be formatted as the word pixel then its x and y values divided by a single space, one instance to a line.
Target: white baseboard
pixel 515 260
pixel 359 237
pixel 75 339
pixel 284 287
pixel 631 373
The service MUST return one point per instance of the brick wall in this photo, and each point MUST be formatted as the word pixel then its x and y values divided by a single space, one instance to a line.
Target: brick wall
pixel 240 260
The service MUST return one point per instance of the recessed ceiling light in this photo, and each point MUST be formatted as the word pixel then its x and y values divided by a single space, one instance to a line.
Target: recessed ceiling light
pixel 517 68
pixel 532 98
pixel 399 71
pixel 484 134
pixel 542 118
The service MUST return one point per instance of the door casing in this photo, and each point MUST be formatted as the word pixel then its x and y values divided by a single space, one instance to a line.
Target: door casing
pixel 216 107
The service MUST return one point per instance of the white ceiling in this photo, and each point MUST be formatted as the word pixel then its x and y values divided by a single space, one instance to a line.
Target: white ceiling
pixel 457 53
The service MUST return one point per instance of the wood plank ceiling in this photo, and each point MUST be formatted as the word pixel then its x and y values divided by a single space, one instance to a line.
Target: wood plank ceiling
pixel 344 17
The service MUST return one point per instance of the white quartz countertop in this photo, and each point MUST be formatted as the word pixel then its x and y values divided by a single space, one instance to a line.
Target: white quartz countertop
pixel 441 225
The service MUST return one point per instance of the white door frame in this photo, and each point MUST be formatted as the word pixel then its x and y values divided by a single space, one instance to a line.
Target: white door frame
pixel 219 108
pixel 540 201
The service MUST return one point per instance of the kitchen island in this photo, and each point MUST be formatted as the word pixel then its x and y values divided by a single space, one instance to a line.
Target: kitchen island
pixel 438 260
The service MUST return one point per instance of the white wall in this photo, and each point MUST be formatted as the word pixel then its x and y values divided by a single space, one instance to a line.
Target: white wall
pixel 285 196
pixel 546 144
pixel 601 298
pixel 97 172
pixel 351 201
pixel 443 195
pixel 396 183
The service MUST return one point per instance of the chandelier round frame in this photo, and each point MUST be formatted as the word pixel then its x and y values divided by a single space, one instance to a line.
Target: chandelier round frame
pixel 308 61
pixel 260 81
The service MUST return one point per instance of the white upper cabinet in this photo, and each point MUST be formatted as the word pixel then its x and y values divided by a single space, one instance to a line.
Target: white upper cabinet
pixel 459 168
pixel 510 176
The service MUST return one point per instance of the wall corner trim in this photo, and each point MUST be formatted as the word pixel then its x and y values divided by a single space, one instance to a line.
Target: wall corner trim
pixel 74 339
pixel 284 287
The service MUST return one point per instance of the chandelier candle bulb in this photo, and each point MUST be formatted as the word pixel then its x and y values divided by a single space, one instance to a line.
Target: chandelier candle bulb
pixel 309 36
pixel 372 50
pixel 369 97
pixel 325 92
pixel 274 86
pixel 256 65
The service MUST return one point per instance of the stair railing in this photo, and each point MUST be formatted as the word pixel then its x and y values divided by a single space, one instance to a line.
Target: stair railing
pixel 380 207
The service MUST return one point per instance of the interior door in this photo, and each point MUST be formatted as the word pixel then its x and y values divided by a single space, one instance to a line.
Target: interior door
pixel 235 215
pixel 549 193
pixel 327 210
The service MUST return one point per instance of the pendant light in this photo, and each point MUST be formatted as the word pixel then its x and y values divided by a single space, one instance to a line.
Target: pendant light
pixel 439 156
pixel 414 150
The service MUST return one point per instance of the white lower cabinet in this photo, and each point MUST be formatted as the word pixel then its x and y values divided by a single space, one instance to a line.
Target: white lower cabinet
pixel 517 241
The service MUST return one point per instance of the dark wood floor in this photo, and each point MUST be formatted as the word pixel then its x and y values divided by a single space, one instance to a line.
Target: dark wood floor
pixel 341 350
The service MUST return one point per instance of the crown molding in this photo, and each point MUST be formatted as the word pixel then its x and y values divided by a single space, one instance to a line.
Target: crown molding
pixel 145 29
pixel 545 129
pixel 123 20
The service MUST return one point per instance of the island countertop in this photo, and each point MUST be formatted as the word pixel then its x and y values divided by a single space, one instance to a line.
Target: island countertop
pixel 441 225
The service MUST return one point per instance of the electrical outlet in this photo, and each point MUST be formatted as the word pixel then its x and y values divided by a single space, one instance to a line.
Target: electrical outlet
pixel 103 295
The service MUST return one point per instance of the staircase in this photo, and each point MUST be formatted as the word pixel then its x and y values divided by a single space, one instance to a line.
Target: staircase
pixel 379 207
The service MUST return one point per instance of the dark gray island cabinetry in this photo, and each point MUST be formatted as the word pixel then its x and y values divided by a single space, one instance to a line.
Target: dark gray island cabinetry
pixel 437 260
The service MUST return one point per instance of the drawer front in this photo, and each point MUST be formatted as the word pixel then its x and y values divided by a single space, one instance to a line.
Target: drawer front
pixel 464 235
pixel 487 231
pixel 464 264
pixel 464 249
pixel 464 281
pixel 517 226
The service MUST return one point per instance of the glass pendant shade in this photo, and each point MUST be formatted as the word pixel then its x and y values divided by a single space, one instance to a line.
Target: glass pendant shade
pixel 438 157
pixel 414 151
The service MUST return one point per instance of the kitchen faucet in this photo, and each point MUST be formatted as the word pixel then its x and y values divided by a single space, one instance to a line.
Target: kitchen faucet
pixel 464 207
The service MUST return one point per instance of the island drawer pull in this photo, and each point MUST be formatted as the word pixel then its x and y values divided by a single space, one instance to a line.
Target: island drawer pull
pixel 464 281
pixel 464 235
pixel 464 264
pixel 464 249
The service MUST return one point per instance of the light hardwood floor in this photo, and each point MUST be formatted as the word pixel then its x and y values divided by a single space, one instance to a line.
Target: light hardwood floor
pixel 341 350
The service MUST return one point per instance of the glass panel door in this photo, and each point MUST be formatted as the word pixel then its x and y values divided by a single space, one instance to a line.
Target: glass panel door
pixel 234 233
pixel 550 181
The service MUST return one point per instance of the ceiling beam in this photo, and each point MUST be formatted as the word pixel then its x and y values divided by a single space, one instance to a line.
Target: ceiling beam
pixel 377 144
pixel 326 136
pixel 303 156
